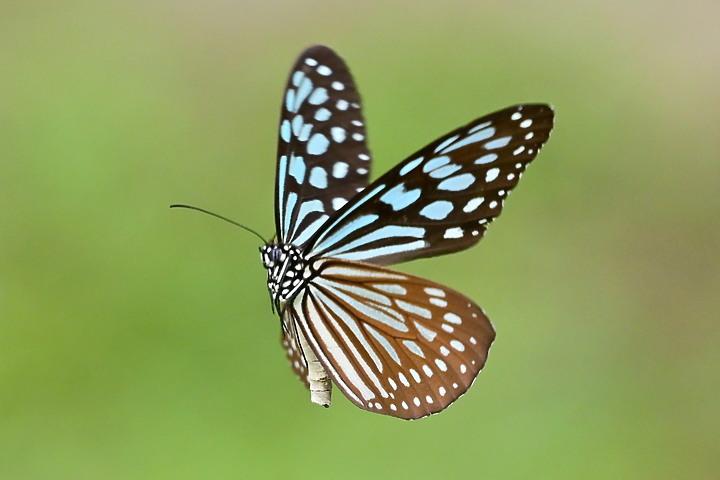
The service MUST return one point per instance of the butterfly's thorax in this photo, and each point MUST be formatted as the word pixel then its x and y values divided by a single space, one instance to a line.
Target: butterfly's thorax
pixel 287 271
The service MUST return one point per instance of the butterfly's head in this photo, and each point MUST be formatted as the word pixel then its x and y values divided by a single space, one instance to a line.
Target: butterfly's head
pixel 271 255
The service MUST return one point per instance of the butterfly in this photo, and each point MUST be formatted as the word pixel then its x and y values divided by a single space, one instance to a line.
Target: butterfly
pixel 393 343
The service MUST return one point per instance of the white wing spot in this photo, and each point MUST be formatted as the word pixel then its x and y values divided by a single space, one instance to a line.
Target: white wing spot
pixel 338 203
pixel 340 169
pixel 405 405
pixel 412 308
pixel 290 100
pixel 338 86
pixel 518 150
pixel 441 365
pixel 447 328
pixel 410 166
pixel 442 391
pixel 470 139
pixel 516 116
pixel 297 124
pixel 497 143
pixel 473 341
pixel 492 174
pixel 318 144
pixel 338 134
pixel 435 292
pixel 493 204
pixel 311 61
pixel 479 127
pixel 363 156
pixel 455 385
pixel 297 169
pixel 446 143
pixel 427 334
pixel 318 96
pixel 399 198
pixel 391 288
pixel 285 130
pixel 457 345
pixel 428 371
pixel 452 318
pixel 454 232
pixel 463 368
pixel 428 399
pixel 298 77
pixel 444 351
pixel 445 171
pixel 416 401
pixel 438 210
pixel 392 383
pixel 305 132
pixel 322 114
pixel 525 123
pixel 529 135
pixel 414 348
pixel 472 204
pixel 342 105
pixel 489 158
pixel 403 379
pixel 415 375
pixel 358 137
pixel 324 70
pixel 457 183
pixel 435 162
pixel 393 407
pixel 438 302
pixel 318 177
pixel 510 176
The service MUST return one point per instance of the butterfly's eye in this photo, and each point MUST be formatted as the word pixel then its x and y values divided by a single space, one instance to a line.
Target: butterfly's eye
pixel 276 255
pixel 270 254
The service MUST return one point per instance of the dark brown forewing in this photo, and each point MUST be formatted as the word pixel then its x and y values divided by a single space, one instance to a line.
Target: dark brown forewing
pixel 323 159
pixel 442 198
pixel 395 344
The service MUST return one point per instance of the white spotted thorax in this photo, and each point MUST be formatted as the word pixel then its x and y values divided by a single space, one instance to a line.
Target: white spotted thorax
pixel 393 343
pixel 287 271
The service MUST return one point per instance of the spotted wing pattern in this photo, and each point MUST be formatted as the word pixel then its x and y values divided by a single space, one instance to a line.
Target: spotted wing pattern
pixel 393 343
pixel 442 198
pixel 323 159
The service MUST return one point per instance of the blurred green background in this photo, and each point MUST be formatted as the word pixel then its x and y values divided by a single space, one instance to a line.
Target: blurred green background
pixel 137 342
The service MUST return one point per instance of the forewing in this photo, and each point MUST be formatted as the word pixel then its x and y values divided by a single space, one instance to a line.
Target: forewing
pixel 442 198
pixel 393 343
pixel 323 160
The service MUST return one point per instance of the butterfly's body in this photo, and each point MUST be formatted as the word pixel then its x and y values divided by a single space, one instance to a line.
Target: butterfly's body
pixel 393 343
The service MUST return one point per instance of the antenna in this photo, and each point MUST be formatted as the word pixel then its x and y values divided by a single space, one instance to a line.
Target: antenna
pixel 190 207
